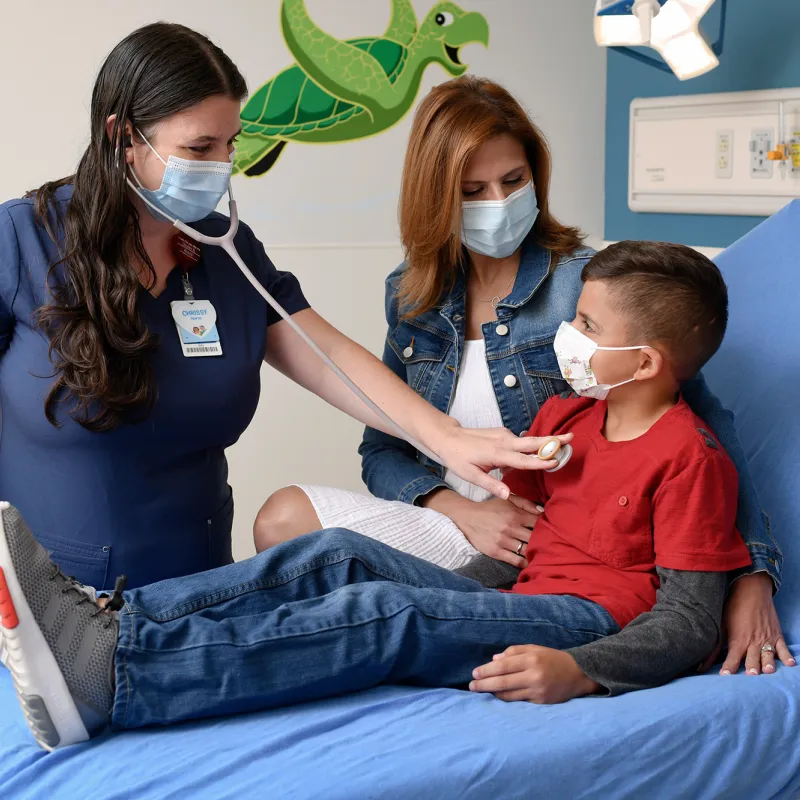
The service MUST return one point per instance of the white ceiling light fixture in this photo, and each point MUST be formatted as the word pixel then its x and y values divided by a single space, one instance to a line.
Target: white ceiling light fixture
pixel 670 27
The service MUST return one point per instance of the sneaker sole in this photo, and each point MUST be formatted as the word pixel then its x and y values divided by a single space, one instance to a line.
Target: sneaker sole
pixel 46 701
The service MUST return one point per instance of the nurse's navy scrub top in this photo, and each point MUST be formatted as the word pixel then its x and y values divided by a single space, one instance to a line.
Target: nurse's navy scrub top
pixel 149 500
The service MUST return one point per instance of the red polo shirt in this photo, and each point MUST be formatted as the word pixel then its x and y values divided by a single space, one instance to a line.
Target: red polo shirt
pixel 618 509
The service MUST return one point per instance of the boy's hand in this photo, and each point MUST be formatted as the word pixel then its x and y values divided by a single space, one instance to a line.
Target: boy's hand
pixel 533 673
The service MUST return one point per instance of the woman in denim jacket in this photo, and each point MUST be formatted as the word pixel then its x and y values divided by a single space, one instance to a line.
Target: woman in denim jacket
pixel 472 314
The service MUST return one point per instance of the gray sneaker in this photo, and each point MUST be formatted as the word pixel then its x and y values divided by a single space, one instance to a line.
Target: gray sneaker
pixel 89 591
pixel 59 643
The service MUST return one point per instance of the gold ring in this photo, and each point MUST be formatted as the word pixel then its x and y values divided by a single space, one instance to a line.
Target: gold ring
pixel 518 551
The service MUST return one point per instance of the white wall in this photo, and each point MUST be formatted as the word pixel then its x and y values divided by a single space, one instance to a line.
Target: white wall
pixel 325 212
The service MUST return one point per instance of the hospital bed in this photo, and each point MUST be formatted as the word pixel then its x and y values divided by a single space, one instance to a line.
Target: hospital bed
pixel 700 737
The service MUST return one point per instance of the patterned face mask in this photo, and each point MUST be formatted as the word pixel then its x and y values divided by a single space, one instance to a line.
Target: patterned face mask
pixel 574 352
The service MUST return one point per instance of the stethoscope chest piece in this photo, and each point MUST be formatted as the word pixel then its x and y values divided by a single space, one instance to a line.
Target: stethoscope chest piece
pixel 552 449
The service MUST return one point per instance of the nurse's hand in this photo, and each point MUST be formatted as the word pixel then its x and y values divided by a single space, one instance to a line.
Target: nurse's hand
pixel 473 453
pixel 497 528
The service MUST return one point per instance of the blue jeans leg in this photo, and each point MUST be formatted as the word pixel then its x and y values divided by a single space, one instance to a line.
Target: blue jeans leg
pixel 323 615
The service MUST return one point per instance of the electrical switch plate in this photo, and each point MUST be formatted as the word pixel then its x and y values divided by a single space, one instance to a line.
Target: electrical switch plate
pixel 760 145
pixel 724 154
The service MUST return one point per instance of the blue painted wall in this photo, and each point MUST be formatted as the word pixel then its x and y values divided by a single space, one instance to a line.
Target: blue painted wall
pixel 762 51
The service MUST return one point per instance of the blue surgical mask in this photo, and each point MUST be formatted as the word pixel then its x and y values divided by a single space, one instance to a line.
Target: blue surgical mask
pixel 496 228
pixel 190 190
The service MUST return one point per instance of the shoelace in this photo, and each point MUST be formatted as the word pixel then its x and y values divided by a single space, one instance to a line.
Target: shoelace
pixel 115 602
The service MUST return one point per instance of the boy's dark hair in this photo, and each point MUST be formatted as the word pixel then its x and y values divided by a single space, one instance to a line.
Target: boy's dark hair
pixel 669 295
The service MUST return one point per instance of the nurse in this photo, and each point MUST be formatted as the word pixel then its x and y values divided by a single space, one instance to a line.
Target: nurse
pixel 117 406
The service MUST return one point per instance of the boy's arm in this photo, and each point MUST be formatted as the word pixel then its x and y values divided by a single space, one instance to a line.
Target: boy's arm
pixel 667 641
pixel 696 545
pixel 680 631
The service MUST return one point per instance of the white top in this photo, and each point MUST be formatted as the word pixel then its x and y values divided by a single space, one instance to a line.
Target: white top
pixel 474 406
pixel 423 532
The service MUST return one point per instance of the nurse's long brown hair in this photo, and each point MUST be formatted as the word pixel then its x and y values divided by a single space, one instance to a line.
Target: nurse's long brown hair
pixel 450 124
pixel 100 347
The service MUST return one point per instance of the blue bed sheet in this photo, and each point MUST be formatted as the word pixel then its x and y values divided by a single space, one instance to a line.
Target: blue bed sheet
pixel 697 738
pixel 700 737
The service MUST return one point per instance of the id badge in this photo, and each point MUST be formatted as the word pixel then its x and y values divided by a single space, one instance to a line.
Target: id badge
pixel 196 321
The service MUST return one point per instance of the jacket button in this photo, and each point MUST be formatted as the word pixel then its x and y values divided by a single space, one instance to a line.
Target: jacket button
pixel 501 330
pixel 623 501
pixel 408 352
pixel 510 381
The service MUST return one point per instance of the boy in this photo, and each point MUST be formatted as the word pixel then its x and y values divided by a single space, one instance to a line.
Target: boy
pixel 642 513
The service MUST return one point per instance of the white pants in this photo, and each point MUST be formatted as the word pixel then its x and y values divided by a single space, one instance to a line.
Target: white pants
pixel 420 532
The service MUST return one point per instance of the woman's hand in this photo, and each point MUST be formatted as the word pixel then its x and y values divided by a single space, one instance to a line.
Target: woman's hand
pixel 535 674
pixel 750 621
pixel 473 453
pixel 497 528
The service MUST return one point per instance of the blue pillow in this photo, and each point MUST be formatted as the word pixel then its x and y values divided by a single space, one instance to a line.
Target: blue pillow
pixel 756 375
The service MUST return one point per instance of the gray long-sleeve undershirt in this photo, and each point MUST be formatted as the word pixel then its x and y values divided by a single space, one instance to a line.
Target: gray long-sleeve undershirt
pixel 676 635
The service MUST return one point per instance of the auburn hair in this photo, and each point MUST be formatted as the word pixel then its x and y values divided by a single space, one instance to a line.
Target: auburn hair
pixel 450 124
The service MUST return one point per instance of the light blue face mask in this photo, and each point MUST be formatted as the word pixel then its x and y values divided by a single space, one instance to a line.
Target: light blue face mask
pixel 496 228
pixel 190 190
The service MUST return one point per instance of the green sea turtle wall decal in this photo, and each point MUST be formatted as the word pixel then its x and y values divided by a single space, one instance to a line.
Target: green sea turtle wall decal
pixel 338 91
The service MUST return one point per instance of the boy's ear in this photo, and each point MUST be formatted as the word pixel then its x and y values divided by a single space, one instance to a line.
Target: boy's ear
pixel 651 364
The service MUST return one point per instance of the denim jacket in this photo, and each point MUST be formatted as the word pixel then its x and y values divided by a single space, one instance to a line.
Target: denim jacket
pixel 426 352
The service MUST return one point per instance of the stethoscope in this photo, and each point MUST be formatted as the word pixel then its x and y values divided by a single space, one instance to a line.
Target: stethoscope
pixel 550 449
pixel 553 449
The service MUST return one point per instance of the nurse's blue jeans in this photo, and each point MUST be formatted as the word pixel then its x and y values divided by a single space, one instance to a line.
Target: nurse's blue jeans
pixel 325 614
